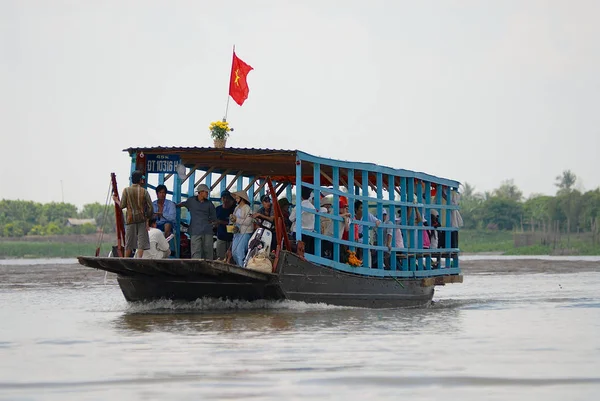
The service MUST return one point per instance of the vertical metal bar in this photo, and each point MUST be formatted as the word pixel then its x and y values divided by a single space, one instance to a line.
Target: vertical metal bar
pixel 298 208
pixel 427 216
pixel 404 220
pixel 411 222
pixel 380 231
pixel 317 204
pixel 288 193
pixel 351 190
pixel 251 192
pixel 392 219
pixel 448 224
pixel 336 211
pixel 365 229
pixel 420 230
pixel 208 182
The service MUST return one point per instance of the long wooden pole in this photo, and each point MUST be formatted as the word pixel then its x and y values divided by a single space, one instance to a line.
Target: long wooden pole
pixel 280 231
pixel 118 218
pixel 229 89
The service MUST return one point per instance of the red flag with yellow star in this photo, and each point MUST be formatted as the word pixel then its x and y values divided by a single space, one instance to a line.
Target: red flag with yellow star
pixel 238 87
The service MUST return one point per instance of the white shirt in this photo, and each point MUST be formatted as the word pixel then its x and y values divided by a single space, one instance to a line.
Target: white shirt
pixel 455 217
pixel 399 239
pixel 308 219
pixel 159 247
pixel 372 219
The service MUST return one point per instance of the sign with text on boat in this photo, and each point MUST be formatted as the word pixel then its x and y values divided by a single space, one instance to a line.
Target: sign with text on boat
pixel 162 163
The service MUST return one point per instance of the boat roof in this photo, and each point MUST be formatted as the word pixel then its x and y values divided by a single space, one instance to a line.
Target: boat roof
pixel 270 162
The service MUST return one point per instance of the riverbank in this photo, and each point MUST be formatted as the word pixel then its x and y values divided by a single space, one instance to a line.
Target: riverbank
pixel 529 265
pixel 471 242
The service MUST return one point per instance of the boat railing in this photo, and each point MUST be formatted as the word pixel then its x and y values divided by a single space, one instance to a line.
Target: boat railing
pixel 379 188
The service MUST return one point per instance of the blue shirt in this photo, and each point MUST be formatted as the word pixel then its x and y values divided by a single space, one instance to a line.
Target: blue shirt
pixel 168 215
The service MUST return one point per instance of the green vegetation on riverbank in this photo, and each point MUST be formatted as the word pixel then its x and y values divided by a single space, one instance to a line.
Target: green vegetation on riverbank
pixel 471 241
pixel 34 250
pixel 477 241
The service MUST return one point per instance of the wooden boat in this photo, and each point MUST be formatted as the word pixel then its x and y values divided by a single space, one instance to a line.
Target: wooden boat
pixel 390 277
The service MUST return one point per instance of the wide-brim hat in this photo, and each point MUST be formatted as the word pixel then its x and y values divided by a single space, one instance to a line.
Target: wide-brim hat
pixel 283 202
pixel 243 195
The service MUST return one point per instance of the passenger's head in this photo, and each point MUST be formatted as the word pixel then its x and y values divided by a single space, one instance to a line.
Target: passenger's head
pixel 358 206
pixel 137 177
pixel 284 203
pixel 241 197
pixel 266 201
pixel 161 191
pixel 306 193
pixel 343 204
pixel 152 222
pixel 227 199
pixel 203 191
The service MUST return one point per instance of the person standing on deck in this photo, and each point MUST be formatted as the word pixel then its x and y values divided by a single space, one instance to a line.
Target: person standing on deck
pixel 358 216
pixel 203 215
pixel 164 211
pixel 224 238
pixel 307 220
pixel 137 201
pixel 242 219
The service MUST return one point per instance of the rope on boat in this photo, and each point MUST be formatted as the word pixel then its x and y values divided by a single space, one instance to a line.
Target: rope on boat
pixel 104 216
pixel 397 281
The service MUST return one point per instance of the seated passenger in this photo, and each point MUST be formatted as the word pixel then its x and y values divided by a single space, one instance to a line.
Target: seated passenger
pixel 164 211
pixel 265 213
pixel 265 217
pixel 284 204
pixel 159 247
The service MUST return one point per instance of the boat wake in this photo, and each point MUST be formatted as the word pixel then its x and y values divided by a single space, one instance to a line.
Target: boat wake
pixel 211 304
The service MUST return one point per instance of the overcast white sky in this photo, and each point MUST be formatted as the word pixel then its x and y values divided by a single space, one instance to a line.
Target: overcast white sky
pixel 476 91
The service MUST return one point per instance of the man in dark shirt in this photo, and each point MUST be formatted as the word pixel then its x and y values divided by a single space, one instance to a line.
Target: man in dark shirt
pixel 225 210
pixel 203 216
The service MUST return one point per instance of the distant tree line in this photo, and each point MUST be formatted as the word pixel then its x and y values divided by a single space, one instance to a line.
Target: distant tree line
pixel 504 208
pixel 19 218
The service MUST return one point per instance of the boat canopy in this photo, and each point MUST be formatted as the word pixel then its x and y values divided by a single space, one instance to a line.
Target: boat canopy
pixel 409 196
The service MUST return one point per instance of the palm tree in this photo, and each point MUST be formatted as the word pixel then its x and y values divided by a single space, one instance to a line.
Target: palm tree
pixel 566 181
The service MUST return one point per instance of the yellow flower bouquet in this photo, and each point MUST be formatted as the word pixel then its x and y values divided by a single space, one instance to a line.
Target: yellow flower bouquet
pixel 219 129
pixel 353 260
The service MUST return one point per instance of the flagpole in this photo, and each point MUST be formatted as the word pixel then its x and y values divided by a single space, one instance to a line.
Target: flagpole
pixel 228 91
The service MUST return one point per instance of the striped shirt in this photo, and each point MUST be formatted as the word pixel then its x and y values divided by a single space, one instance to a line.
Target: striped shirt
pixel 137 202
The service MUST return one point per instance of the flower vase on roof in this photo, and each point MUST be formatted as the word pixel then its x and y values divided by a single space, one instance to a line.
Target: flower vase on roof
pixel 219 131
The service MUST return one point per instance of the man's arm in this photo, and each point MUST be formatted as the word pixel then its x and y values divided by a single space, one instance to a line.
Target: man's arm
pixel 123 203
pixel 212 213
pixel 169 211
pixel 149 206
